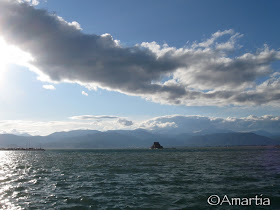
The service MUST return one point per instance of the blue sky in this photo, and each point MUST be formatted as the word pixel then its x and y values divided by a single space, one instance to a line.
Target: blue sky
pixel 179 24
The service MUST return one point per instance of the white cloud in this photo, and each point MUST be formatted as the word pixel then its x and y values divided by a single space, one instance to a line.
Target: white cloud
pixel 204 73
pixel 84 93
pixel 120 120
pixel 74 24
pixel 47 127
pixel 49 87
pixel 192 124
pixel 31 2
pixel 15 132
pixel 93 117
pixel 173 124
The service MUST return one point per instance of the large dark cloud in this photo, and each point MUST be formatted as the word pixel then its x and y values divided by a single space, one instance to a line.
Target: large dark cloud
pixel 65 53
pixel 203 73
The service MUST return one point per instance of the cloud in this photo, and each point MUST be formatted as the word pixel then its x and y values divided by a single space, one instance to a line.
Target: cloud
pixel 84 93
pixel 15 132
pixel 121 120
pixel 192 124
pixel 172 124
pixel 93 117
pixel 204 73
pixel 125 122
pixel 31 2
pixel 49 87
pixel 47 127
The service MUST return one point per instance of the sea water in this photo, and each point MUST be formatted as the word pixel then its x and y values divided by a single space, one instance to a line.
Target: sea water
pixel 139 178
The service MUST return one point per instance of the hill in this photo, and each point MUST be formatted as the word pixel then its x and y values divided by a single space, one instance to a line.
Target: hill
pixel 87 139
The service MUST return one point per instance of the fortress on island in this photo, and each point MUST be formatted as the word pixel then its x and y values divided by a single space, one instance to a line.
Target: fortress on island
pixel 156 145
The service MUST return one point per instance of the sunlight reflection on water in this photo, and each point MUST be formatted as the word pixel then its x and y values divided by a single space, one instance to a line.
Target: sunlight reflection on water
pixel 101 179
pixel 8 172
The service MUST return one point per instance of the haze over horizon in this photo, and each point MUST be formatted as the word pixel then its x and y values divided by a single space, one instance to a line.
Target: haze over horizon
pixel 160 66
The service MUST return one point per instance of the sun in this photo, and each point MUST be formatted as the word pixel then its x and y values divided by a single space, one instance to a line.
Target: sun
pixel 4 60
pixel 10 54
pixel 3 55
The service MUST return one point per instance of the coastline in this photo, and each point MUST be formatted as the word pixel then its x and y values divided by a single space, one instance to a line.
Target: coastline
pixel 22 149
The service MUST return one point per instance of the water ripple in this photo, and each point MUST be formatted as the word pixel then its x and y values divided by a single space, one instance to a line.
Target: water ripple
pixel 124 179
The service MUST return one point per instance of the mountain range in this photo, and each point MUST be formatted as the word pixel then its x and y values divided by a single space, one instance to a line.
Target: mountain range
pixel 139 138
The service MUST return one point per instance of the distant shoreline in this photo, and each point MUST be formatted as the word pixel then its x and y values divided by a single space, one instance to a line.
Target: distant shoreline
pixel 22 149
pixel 167 148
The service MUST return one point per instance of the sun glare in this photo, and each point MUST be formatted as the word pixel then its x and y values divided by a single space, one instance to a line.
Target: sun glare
pixel 11 55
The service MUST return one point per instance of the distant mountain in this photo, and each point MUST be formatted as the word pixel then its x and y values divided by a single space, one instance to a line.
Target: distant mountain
pixel 192 131
pixel 23 134
pixel 277 138
pixel 229 139
pixel 139 133
pixel 262 133
pixel 100 140
pixel 74 133
pixel 211 131
pixel 11 140
pixel 17 133
pixel 265 133
pixel 86 139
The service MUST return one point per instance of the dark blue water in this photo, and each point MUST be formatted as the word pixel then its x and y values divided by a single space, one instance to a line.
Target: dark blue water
pixel 138 179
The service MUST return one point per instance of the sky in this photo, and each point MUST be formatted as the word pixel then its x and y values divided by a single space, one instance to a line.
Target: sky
pixel 126 64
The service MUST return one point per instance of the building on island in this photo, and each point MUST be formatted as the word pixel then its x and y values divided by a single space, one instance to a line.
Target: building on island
pixel 156 145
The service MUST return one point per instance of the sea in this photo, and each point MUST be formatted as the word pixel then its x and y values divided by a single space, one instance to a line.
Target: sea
pixel 184 178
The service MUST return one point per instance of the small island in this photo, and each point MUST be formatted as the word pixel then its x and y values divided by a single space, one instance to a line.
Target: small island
pixel 156 145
